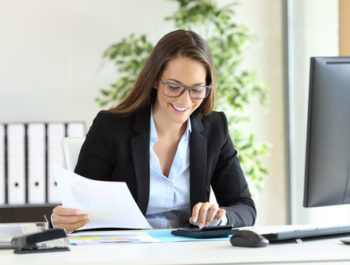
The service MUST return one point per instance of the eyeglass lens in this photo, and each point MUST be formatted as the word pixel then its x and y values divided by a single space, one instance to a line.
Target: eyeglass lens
pixel 175 90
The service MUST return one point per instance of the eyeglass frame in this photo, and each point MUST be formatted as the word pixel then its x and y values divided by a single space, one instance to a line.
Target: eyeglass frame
pixel 207 87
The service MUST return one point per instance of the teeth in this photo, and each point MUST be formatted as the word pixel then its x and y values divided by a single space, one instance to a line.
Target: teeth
pixel 179 109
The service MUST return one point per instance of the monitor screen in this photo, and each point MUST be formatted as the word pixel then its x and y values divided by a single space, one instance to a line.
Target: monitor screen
pixel 327 165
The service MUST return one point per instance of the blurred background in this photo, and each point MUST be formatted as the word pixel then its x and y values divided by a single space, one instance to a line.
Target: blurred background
pixel 51 69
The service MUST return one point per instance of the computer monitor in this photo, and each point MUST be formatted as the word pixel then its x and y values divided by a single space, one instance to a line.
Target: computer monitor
pixel 327 165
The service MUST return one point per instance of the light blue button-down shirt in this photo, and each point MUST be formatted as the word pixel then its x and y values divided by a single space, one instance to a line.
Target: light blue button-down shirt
pixel 169 198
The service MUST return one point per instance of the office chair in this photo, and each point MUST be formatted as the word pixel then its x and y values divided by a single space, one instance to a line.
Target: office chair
pixel 71 148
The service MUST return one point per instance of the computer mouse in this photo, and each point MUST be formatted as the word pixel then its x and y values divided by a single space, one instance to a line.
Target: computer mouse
pixel 247 238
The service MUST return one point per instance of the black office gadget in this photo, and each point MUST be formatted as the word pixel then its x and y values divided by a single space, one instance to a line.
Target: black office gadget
pixel 346 241
pixel 205 232
pixel 327 165
pixel 327 160
pixel 31 243
pixel 248 238
pixel 308 233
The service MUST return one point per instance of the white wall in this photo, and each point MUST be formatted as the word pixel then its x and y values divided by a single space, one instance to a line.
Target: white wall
pixel 265 20
pixel 313 32
pixel 50 66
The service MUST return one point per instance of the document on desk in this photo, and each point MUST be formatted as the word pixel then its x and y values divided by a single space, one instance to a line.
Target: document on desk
pixel 108 204
pixel 108 237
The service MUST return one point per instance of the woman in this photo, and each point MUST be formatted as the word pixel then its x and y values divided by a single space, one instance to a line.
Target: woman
pixel 168 145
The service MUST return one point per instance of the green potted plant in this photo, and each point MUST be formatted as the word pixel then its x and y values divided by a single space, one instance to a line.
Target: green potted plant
pixel 235 87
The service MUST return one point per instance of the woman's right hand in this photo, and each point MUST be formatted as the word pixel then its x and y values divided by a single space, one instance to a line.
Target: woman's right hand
pixel 68 218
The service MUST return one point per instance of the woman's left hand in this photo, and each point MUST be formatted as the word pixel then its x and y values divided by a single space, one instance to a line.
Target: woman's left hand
pixel 203 213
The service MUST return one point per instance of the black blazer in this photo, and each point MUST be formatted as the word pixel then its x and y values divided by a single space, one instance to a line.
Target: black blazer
pixel 117 149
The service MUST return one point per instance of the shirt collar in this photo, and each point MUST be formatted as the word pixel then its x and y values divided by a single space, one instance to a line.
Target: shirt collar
pixel 153 132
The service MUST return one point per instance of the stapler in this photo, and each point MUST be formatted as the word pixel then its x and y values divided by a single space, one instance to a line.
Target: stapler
pixel 31 243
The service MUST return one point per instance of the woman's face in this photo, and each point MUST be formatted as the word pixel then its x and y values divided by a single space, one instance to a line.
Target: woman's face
pixel 183 71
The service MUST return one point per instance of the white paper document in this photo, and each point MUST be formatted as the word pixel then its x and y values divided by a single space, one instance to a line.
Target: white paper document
pixel 108 204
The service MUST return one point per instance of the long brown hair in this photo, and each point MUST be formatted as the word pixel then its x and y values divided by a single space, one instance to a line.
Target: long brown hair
pixel 178 43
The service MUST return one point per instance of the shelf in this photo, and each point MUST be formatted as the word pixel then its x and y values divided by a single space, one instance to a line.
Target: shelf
pixel 25 213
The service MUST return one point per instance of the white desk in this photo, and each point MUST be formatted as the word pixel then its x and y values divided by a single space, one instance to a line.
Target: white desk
pixel 325 251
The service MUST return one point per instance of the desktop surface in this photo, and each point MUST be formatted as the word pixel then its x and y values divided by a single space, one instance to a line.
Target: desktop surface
pixel 331 251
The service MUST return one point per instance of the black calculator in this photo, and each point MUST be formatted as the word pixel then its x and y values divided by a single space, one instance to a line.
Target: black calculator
pixel 205 232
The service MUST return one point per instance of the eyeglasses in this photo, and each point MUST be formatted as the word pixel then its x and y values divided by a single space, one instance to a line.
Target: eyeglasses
pixel 174 90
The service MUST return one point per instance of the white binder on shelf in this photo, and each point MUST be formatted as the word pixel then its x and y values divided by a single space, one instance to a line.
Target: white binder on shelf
pixel 75 129
pixel 2 164
pixel 36 163
pixel 55 134
pixel 16 163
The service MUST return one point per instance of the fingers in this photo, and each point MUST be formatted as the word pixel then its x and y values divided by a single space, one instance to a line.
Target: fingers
pixel 211 214
pixel 203 213
pixel 70 227
pixel 195 212
pixel 59 210
pixel 220 214
pixel 67 218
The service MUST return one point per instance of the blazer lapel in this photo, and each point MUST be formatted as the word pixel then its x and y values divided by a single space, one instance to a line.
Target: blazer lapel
pixel 198 160
pixel 140 155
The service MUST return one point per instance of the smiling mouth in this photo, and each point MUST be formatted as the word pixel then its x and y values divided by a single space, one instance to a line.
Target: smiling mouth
pixel 178 109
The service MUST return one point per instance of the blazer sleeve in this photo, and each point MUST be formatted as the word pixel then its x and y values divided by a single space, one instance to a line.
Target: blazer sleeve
pixel 95 157
pixel 229 184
